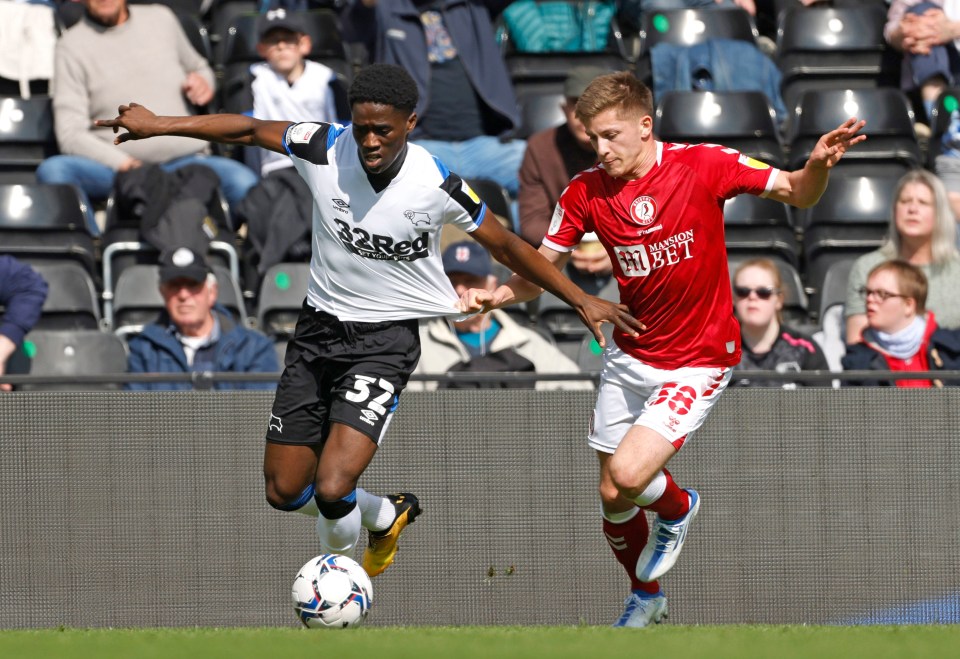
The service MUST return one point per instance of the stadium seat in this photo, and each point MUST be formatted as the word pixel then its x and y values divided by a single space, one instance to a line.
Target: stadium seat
pixel 741 120
pixel 833 289
pixel 756 226
pixel 72 301
pixel 795 302
pixel 137 300
pixel 45 223
pixel 545 72
pixel 26 137
pixel 282 293
pixel 590 354
pixel 851 200
pixel 830 48
pixel 70 353
pixel 851 218
pixel 891 147
pixel 688 27
pixel 122 246
pixel 561 322
pixel 540 111
pixel 197 33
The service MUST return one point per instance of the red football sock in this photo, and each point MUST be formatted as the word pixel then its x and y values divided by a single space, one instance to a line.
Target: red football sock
pixel 674 503
pixel 627 540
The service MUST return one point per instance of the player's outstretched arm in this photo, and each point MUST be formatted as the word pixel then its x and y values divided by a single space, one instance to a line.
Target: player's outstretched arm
pixel 803 187
pixel 536 272
pixel 140 123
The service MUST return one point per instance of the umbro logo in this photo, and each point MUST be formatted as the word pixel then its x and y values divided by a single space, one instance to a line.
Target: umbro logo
pixel 341 205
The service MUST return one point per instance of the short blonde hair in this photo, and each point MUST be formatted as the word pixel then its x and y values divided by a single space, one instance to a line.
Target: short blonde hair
pixel 621 90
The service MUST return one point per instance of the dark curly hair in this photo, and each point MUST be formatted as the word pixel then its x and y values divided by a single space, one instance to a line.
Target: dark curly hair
pixel 386 84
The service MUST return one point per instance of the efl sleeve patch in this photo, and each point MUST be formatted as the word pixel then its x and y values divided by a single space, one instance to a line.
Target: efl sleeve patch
pixel 309 141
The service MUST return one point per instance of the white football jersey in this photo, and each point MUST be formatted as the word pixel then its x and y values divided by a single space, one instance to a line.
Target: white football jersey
pixel 376 255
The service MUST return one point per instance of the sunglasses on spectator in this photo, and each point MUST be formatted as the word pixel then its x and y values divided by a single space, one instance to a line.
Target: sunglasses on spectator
pixel 878 293
pixel 764 292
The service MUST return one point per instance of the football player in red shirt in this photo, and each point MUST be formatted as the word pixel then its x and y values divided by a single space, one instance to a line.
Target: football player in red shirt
pixel 657 208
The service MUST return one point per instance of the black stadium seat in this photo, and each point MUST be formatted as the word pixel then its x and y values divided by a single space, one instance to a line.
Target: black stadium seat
pixel 688 27
pixel 742 120
pixel 891 147
pixel 830 48
pixel 26 137
pixel 72 301
pixel 43 223
pixel 755 226
pixel 70 353
pixel 282 292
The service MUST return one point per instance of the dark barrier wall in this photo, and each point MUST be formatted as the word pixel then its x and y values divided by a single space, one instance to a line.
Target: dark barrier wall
pixel 819 506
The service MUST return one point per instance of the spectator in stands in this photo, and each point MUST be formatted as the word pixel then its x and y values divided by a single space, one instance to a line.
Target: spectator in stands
pixel 467 107
pixel 195 333
pixel 286 85
pixel 553 157
pixel 113 54
pixel 768 344
pixel 923 233
pixel 901 335
pixel 925 34
pixel 22 294
pixel 485 342
pixel 278 211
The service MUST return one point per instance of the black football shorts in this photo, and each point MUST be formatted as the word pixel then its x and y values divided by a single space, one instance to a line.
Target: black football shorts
pixel 341 372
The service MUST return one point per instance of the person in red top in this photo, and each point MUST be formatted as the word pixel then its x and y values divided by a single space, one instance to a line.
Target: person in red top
pixel 657 210
pixel 901 335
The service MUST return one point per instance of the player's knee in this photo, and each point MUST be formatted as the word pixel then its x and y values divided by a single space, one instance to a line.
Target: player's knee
pixel 625 477
pixel 334 489
pixel 285 495
pixel 609 493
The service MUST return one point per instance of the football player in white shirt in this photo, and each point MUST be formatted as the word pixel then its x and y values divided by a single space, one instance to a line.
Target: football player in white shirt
pixel 379 205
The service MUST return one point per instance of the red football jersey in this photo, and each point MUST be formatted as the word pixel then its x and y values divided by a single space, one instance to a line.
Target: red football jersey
pixel 664 235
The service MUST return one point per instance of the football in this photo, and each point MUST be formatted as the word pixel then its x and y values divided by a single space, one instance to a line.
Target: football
pixel 332 591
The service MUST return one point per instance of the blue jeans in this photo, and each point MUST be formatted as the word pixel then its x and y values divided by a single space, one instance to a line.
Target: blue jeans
pixel 481 157
pixel 94 180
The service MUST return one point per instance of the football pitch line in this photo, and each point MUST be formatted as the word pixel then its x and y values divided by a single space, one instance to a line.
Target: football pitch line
pixel 586 642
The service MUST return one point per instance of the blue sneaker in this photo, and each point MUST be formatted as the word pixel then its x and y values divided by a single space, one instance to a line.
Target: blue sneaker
pixel 665 543
pixel 642 610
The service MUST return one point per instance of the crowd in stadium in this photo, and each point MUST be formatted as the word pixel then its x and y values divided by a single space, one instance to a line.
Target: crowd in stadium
pixel 498 84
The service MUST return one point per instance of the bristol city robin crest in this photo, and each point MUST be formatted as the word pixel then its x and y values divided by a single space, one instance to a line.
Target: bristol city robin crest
pixel 644 210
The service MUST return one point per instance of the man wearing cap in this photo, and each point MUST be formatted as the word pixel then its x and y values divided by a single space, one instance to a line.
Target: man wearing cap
pixel 195 333
pixel 553 157
pixel 487 342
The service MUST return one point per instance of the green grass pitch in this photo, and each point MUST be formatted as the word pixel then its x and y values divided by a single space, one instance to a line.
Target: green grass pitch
pixel 663 642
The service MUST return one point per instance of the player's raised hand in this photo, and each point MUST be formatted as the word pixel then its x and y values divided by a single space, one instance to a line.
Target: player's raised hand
pixel 597 311
pixel 139 122
pixel 831 147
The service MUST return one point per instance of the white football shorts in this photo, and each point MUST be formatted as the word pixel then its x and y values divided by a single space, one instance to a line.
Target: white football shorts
pixel 672 402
